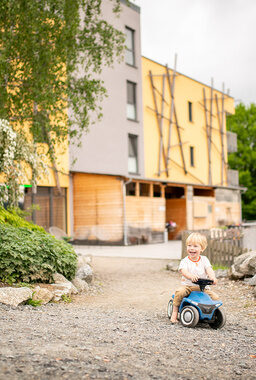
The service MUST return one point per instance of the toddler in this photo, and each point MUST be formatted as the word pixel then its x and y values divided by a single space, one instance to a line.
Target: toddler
pixel 193 267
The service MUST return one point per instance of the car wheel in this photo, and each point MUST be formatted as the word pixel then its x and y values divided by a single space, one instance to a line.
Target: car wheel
pixel 189 316
pixel 219 319
pixel 169 309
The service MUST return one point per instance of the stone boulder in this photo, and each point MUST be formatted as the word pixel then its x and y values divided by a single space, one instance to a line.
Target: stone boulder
pixel 85 273
pixel 59 290
pixel 80 285
pixel 173 265
pixel 252 281
pixel 83 260
pixel 221 273
pixel 42 294
pixel 244 266
pixel 15 296
pixel 60 279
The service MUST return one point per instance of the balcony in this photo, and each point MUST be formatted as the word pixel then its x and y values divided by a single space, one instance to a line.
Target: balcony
pixel 233 177
pixel 231 142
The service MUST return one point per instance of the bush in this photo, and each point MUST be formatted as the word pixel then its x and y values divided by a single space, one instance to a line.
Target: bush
pixel 12 217
pixel 29 256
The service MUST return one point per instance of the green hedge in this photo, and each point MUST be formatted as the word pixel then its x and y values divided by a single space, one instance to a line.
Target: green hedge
pixel 12 218
pixel 29 256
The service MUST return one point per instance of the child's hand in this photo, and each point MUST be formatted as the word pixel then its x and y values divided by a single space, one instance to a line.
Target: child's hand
pixel 214 279
pixel 194 278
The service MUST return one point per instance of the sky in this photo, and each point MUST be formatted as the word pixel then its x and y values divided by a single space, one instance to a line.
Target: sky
pixel 212 39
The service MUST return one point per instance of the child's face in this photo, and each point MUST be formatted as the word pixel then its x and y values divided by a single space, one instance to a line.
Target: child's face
pixel 194 250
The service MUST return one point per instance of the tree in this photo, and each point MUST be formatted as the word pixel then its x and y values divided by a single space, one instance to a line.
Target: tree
pixel 17 159
pixel 243 123
pixel 44 44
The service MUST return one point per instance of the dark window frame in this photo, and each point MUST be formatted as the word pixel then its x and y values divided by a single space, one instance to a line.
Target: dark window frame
pixel 136 155
pixel 132 49
pixel 192 156
pixel 190 111
pixel 134 98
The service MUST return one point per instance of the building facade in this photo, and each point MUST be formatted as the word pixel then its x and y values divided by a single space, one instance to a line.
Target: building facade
pixel 159 154
pixel 114 147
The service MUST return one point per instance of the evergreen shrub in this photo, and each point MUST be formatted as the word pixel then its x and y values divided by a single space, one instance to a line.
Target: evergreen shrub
pixel 30 256
pixel 12 217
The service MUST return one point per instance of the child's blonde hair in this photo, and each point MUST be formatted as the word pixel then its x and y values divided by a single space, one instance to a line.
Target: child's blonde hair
pixel 196 238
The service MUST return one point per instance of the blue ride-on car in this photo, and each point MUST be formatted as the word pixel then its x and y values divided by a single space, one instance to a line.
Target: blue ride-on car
pixel 198 307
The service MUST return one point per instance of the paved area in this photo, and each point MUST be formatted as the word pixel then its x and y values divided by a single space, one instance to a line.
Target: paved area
pixel 168 250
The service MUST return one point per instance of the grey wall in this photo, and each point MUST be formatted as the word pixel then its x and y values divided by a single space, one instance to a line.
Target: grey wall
pixel 105 147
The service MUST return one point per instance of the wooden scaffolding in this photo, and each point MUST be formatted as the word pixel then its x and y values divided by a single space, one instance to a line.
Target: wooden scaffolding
pixel 168 107
pixel 209 115
pixel 172 119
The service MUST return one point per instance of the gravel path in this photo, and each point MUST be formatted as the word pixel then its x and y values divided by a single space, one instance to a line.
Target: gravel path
pixel 120 331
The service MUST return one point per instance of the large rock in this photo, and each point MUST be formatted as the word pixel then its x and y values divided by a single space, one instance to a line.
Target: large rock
pixel 252 281
pixel 15 296
pixel 59 290
pixel 60 279
pixel 244 265
pixel 80 285
pixel 83 260
pixel 221 273
pixel 85 273
pixel 42 294
pixel 173 265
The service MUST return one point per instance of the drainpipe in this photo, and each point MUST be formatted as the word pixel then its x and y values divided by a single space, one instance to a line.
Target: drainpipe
pixel 124 211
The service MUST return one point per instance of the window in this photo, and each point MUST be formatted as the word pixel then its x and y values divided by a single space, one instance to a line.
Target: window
pixel 192 162
pixel 190 111
pixel 131 101
pixel 131 188
pixel 144 189
pixel 52 207
pixel 130 52
pixel 156 190
pixel 133 154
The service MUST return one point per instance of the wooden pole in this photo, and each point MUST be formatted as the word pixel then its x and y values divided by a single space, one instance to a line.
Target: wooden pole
pixel 208 139
pixel 223 124
pixel 172 105
pixel 161 146
pixel 176 119
pixel 221 140
pixel 210 128
pixel 159 128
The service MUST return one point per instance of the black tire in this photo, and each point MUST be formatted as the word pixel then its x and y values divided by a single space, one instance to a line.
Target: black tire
pixel 189 316
pixel 169 308
pixel 219 319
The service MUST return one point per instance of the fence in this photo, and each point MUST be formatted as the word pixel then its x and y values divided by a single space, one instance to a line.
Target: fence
pixel 223 245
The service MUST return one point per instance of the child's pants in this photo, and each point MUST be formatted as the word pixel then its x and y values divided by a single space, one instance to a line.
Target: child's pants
pixel 185 290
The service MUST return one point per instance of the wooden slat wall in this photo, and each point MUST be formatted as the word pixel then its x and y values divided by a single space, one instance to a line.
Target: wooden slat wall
pixel 146 212
pixel 98 207
pixel 176 212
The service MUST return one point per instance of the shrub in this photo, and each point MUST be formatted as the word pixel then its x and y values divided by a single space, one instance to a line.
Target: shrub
pixel 29 256
pixel 12 217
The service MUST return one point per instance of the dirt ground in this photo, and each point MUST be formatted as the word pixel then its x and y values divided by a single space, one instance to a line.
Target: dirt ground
pixel 125 283
pixel 145 284
pixel 120 330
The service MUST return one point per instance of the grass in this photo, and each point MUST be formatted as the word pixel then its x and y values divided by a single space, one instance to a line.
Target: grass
pixel 216 267
pixel 34 303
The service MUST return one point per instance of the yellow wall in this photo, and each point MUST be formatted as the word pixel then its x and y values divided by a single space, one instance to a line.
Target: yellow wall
pixel 62 164
pixel 192 133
